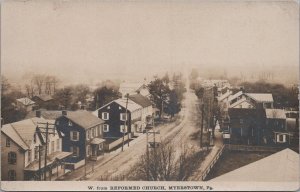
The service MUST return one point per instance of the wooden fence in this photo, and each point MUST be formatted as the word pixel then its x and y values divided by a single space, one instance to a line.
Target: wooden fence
pixel 212 163
pixel 252 148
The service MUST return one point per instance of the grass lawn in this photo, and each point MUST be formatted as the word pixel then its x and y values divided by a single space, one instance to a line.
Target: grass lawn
pixel 232 160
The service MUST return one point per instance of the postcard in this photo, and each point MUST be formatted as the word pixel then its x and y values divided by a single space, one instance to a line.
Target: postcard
pixel 149 95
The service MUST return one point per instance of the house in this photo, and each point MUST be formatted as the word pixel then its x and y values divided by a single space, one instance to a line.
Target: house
pixel 280 168
pixel 114 115
pixel 26 104
pixel 23 146
pixel 44 101
pixel 276 129
pixel 83 136
pixel 223 100
pixel 245 126
pixel 250 100
pixel 147 111
pixel 46 114
pixel 132 88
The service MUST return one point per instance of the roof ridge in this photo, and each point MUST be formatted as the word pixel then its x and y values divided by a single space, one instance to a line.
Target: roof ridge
pixel 19 134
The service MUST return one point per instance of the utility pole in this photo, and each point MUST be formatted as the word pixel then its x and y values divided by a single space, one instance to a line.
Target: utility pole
pixel 202 116
pixel 46 145
pixel 40 162
pixel 147 151
pixel 125 124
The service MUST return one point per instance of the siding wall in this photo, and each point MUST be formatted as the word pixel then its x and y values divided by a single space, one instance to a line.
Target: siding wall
pixel 5 167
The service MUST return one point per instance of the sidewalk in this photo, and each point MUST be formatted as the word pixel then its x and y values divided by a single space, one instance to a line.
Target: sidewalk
pixel 218 143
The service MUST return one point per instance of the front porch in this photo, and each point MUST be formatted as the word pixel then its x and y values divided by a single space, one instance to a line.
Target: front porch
pixel 55 167
pixel 97 149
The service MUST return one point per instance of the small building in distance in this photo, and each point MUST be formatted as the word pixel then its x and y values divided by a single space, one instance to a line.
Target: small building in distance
pixel 44 101
pixel 26 104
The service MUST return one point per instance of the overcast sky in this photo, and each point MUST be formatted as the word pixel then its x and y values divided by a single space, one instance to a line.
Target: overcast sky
pixel 92 40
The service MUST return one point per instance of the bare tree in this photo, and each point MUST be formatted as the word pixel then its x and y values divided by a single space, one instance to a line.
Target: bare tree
pixel 54 81
pixel 48 81
pixel 39 81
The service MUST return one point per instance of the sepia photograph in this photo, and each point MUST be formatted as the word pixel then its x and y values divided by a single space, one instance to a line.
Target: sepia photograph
pixel 138 95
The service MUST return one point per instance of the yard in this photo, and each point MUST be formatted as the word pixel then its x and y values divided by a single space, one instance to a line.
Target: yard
pixel 231 160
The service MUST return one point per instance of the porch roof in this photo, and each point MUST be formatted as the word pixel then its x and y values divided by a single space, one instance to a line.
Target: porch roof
pixel 97 141
pixel 34 166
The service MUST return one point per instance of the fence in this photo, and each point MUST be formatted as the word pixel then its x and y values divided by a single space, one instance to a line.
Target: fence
pixel 108 147
pixel 252 148
pixel 212 163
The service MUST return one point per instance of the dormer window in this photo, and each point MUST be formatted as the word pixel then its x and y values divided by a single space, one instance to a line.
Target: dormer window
pixel 70 123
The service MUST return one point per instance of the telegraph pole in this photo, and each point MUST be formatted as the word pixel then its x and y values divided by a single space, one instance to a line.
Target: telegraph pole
pixel 46 145
pixel 125 124
pixel 147 151
pixel 40 162
pixel 202 116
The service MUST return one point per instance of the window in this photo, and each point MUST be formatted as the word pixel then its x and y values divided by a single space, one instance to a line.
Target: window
pixel 52 146
pixel 105 128
pixel 281 138
pixel 123 116
pixel 120 108
pixel 241 121
pixel 12 175
pixel 93 132
pixel 7 142
pixel 100 146
pixel 12 158
pixel 29 156
pixel 70 123
pixel 36 153
pixel 105 116
pixel 57 145
pixel 74 135
pixel 75 151
pixel 88 134
pixel 123 129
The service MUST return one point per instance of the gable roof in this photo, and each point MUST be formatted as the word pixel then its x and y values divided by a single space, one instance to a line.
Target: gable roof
pixel 8 130
pixel 44 97
pixel 141 100
pixel 84 119
pixel 240 102
pixel 275 114
pixel 235 95
pixel 224 96
pixel 23 131
pixel 261 97
pixel 51 115
pixel 26 101
pixel 131 106
pixel 282 166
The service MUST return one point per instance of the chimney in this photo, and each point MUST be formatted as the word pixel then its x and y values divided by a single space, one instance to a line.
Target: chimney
pixel 242 89
pixel 38 113
pixel 64 112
